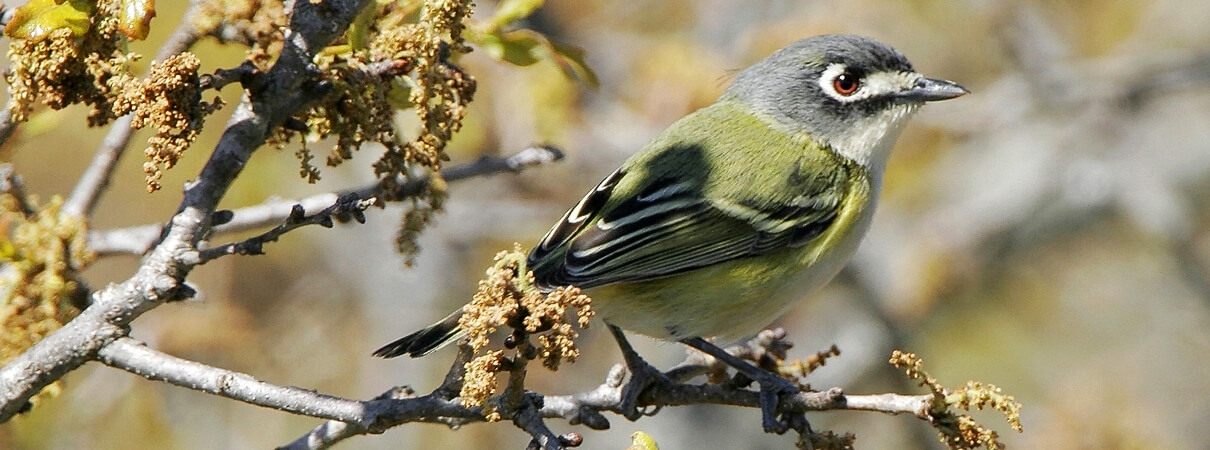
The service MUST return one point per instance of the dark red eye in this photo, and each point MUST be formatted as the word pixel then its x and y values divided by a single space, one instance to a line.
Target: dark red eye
pixel 845 84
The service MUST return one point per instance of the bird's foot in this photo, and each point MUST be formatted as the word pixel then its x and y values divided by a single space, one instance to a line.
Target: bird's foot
pixel 772 385
pixel 642 377
pixel 772 388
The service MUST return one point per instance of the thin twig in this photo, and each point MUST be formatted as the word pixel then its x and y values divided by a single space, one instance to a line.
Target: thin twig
pixel 528 418
pixel 96 176
pixel 137 240
pixel 243 73
pixel 7 126
pixel 524 407
pixel 298 218
pixel 490 165
pixel 10 183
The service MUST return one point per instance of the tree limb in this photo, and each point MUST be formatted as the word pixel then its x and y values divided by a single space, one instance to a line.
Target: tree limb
pixel 133 356
pixel 298 218
pixel 163 270
pixel 586 407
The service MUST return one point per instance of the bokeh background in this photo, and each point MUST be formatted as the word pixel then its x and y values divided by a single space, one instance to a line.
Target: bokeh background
pixel 1047 233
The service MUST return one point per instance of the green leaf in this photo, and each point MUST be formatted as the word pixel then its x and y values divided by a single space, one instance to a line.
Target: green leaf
pixel 520 47
pixel 38 18
pixel 510 11
pixel 359 30
pixel 399 95
pixel 571 61
pixel 526 47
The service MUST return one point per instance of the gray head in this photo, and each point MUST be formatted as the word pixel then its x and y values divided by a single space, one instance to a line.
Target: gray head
pixel 850 92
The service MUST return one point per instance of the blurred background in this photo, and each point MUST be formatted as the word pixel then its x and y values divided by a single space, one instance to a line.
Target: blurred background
pixel 1047 233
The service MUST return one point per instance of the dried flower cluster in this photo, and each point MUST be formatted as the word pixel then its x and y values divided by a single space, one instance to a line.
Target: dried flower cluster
pixel 40 254
pixel 396 56
pixel 440 90
pixel 800 368
pixel 506 299
pixel 479 382
pixel 169 102
pixel 69 65
pixel 41 251
pixel 826 440
pixel 83 63
pixel 422 209
pixel 959 431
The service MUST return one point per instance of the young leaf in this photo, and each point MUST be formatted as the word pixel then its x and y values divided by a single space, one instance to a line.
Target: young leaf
pixel 511 11
pixel 38 18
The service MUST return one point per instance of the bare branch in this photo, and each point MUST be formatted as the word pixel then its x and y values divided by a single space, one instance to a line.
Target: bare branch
pixel 7 126
pixel 397 406
pixel 490 165
pixel 586 407
pixel 96 176
pixel 133 356
pixel 324 436
pixel 242 73
pixel 137 240
pixel 528 418
pixel 10 183
pixel 298 218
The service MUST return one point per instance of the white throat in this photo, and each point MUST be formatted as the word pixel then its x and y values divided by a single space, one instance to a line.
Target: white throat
pixel 869 141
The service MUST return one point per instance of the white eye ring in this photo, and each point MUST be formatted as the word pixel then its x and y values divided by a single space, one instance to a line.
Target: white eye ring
pixel 834 80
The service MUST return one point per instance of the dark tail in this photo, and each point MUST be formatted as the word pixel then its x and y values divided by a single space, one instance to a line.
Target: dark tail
pixel 426 340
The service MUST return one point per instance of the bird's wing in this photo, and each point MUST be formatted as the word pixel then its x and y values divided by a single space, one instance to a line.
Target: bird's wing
pixel 669 227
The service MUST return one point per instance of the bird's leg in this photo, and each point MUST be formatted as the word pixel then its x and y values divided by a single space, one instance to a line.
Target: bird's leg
pixel 642 376
pixel 772 386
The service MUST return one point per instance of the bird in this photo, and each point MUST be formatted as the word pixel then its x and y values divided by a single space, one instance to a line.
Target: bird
pixel 736 212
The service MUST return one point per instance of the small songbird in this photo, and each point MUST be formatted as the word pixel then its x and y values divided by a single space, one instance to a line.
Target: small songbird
pixel 737 211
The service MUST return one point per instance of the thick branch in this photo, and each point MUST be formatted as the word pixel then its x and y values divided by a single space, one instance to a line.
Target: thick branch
pixel 351 417
pixel 311 27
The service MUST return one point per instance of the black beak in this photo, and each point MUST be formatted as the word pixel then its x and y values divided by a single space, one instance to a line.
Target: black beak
pixel 931 90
